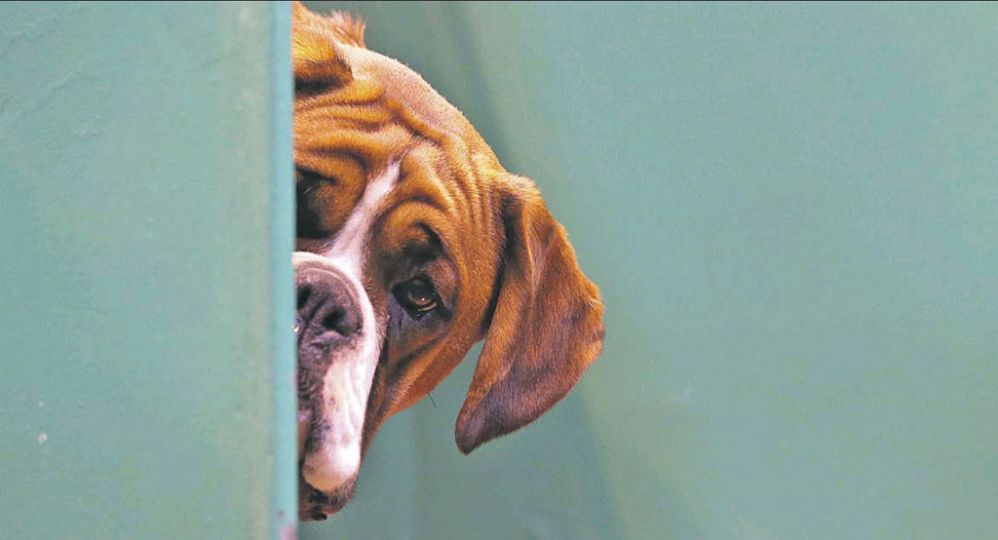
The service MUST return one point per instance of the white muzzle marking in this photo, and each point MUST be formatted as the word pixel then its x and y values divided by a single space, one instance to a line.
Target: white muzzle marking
pixel 335 457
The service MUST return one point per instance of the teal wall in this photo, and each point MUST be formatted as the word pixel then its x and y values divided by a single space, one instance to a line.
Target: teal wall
pixel 145 283
pixel 792 210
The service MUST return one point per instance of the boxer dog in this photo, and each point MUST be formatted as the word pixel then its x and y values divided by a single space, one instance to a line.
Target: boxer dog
pixel 413 243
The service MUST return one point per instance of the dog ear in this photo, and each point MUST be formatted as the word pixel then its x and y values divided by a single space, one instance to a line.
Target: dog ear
pixel 316 59
pixel 546 328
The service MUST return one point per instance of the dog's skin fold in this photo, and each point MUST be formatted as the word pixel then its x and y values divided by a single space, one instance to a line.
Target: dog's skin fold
pixel 414 244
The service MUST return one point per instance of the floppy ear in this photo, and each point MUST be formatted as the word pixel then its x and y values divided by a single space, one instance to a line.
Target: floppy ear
pixel 316 61
pixel 546 329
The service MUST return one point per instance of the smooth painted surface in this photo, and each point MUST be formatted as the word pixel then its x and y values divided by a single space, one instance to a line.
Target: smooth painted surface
pixel 791 210
pixel 145 281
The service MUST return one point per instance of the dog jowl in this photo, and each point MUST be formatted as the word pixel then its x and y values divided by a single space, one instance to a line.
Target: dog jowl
pixel 413 243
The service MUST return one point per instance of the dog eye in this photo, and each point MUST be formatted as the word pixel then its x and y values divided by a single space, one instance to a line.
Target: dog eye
pixel 417 296
pixel 310 207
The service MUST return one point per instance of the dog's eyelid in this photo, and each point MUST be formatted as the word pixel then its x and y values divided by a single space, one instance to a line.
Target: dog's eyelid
pixel 434 240
pixel 309 176
pixel 305 88
pixel 421 253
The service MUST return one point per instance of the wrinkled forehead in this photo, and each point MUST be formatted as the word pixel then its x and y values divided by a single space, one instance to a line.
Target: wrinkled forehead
pixel 386 117
pixel 417 100
pixel 401 207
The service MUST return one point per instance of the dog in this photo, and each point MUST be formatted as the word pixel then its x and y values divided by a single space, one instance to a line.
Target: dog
pixel 413 244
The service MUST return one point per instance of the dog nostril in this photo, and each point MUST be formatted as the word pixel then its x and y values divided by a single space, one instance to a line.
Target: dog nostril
pixel 326 311
pixel 334 320
pixel 303 293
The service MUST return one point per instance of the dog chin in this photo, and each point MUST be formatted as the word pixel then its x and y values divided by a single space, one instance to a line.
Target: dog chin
pixel 314 505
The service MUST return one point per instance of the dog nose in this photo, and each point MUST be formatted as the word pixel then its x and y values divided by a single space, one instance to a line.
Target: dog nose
pixel 328 311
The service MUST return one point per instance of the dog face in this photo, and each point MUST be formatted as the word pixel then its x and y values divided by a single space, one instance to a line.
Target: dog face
pixel 413 243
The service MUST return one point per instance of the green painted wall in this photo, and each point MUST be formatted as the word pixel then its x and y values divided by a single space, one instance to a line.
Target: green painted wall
pixel 791 210
pixel 146 360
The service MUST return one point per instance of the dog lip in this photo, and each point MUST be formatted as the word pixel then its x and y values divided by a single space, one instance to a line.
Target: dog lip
pixel 321 512
pixel 316 505
pixel 330 509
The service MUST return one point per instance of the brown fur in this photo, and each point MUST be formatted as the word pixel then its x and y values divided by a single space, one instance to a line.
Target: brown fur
pixel 509 267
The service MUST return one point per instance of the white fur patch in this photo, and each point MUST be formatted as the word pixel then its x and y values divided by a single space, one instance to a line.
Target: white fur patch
pixel 347 251
pixel 347 383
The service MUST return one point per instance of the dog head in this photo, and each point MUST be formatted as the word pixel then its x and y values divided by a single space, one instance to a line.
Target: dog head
pixel 413 243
